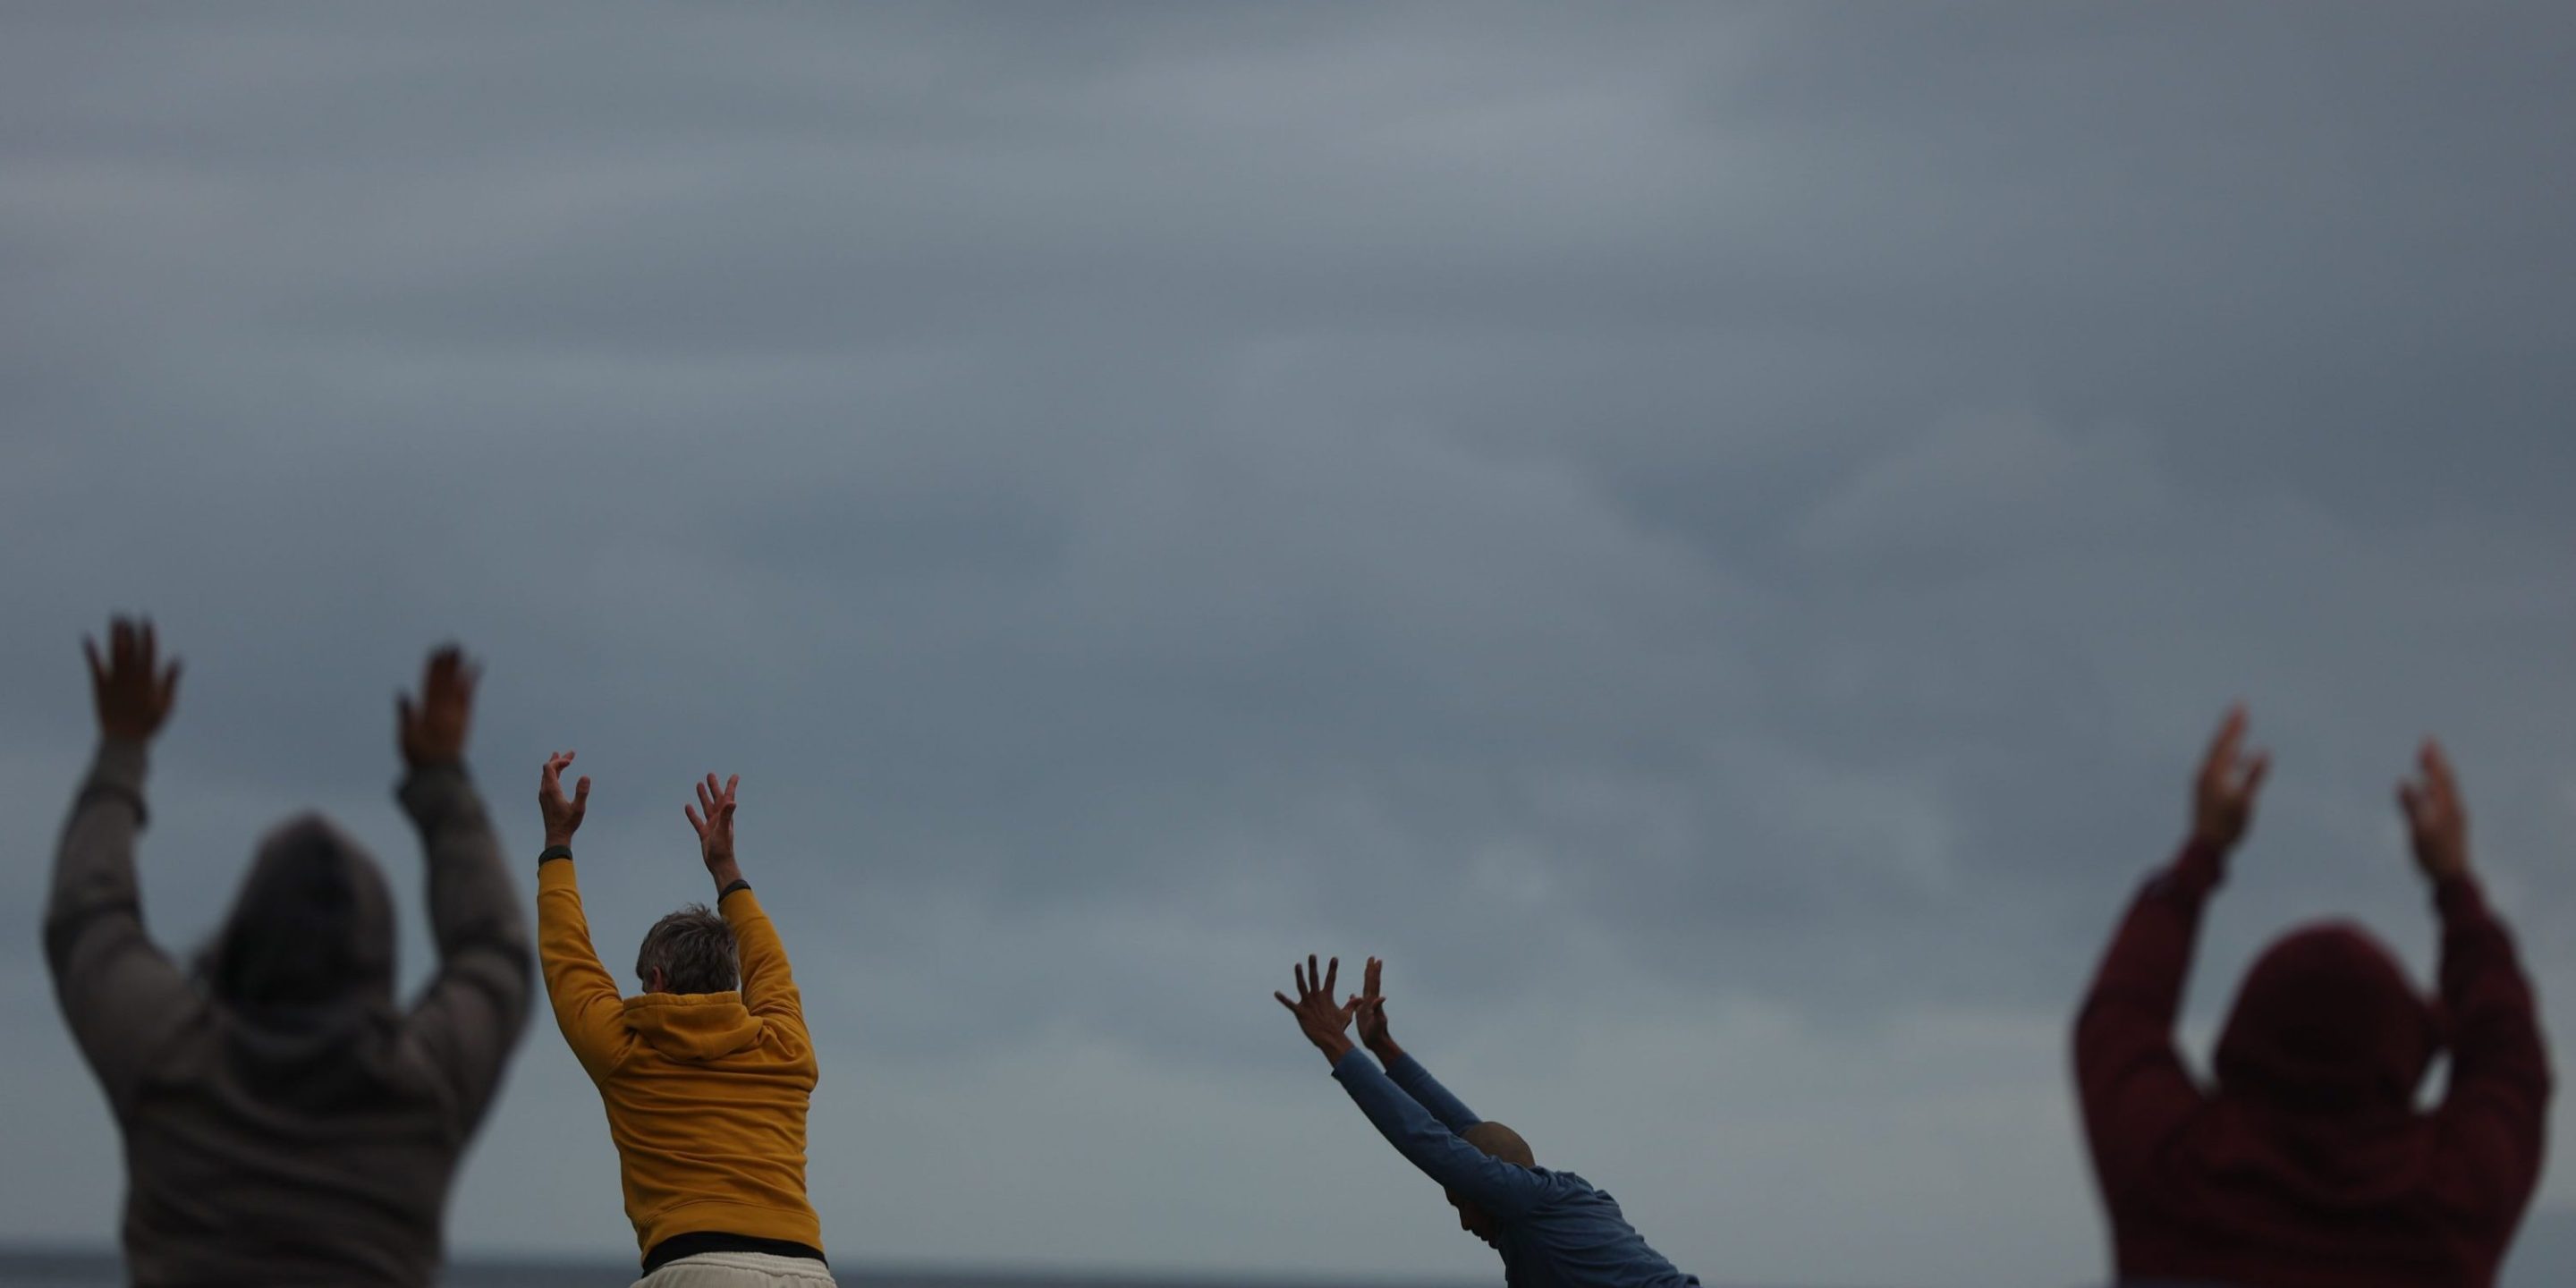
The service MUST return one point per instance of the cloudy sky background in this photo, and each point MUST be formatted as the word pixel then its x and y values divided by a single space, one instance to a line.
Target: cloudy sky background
pixel 1708 539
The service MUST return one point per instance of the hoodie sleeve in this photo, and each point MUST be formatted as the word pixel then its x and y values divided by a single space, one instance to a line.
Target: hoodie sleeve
pixel 2494 1115
pixel 122 996
pixel 470 1018
pixel 768 985
pixel 588 1007
pixel 1507 1190
pixel 2129 1076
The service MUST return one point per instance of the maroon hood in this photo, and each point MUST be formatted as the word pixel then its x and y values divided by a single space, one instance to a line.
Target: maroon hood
pixel 2327 1022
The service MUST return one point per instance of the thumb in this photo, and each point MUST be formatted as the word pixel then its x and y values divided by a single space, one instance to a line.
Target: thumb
pixel 581 792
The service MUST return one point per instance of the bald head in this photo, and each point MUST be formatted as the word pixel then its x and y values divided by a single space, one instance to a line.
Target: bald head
pixel 1499 1141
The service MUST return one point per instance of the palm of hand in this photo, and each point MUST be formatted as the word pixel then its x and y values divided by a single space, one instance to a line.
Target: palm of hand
pixel 132 692
pixel 1322 1020
pixel 1370 1006
pixel 1372 1023
pixel 2229 779
pixel 433 729
pixel 715 826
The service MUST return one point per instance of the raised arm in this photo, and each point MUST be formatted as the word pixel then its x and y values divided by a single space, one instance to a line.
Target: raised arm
pixel 1501 1188
pixel 1370 1010
pixel 2129 1076
pixel 768 985
pixel 470 1017
pixel 2494 1116
pixel 122 996
pixel 588 1007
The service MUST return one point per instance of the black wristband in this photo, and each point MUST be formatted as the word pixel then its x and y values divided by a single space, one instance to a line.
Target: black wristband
pixel 553 852
pixel 736 884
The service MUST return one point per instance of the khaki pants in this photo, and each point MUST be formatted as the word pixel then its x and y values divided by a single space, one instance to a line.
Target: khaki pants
pixel 739 1270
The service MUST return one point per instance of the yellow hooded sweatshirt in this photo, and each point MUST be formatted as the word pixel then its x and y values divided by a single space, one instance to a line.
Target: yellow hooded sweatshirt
pixel 705 1092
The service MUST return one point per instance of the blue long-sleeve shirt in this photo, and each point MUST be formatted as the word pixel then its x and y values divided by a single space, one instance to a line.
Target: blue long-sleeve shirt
pixel 1557 1231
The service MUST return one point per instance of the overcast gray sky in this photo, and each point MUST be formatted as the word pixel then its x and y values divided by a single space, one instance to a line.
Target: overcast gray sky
pixel 1708 538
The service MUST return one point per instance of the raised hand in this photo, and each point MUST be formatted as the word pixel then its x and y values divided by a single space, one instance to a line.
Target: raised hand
pixel 1324 1022
pixel 1369 1008
pixel 2223 797
pixel 2435 819
pixel 563 817
pixel 715 828
pixel 131 691
pixel 432 731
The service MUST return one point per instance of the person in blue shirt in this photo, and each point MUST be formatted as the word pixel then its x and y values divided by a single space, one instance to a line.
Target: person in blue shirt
pixel 1553 1229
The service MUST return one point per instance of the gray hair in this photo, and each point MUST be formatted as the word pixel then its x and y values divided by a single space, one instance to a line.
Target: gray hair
pixel 693 948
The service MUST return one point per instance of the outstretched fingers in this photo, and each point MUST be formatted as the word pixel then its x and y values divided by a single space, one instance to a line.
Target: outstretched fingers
pixel 2228 768
pixel 2438 779
pixel 2434 792
pixel 2255 770
pixel 449 677
pixel 2224 744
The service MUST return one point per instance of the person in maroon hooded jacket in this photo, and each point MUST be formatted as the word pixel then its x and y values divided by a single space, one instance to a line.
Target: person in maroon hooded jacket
pixel 2308 1163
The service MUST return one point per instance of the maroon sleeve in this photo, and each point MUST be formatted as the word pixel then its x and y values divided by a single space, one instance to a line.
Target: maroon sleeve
pixel 2129 1077
pixel 2494 1115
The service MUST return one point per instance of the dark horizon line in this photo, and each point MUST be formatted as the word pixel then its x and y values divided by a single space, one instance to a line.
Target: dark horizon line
pixel 40 1253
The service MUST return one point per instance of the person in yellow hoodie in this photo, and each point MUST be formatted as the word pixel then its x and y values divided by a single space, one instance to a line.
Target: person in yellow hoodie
pixel 705 1083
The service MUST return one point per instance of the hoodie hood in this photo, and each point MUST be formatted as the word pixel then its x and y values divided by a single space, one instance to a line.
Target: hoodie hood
pixel 304 967
pixel 2326 1021
pixel 698 1028
pixel 312 931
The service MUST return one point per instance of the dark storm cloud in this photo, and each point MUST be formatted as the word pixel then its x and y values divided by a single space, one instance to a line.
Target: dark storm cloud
pixel 1708 536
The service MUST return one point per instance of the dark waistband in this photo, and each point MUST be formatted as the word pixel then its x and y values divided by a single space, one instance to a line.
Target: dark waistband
pixel 697 1241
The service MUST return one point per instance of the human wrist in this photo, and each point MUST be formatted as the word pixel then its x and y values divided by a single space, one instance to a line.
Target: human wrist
pixel 1334 1048
pixel 724 872
pixel 2216 841
pixel 558 837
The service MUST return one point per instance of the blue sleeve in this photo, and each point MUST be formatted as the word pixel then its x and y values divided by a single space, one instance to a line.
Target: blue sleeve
pixel 1504 1189
pixel 1427 1092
